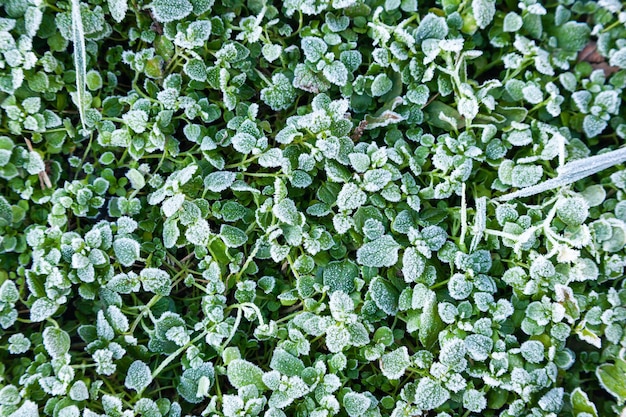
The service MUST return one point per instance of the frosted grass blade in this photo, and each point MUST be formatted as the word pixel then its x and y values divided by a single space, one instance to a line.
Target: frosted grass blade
pixel 480 223
pixel 572 172
pixel 80 59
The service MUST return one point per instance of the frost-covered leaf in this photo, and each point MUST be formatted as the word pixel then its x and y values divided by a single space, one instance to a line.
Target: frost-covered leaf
pixel 552 401
pixel 286 363
pixel 340 276
pixel 431 27
pixel 611 377
pixel 56 341
pixel 356 404
pixel 526 175
pixel 170 10
pixel 172 204
pixel 138 376
pixel 233 237
pixel 384 295
pixel 287 212
pixel 241 372
pixel 314 48
pixel 351 197
pixel 243 142
pixel 219 181
pixel 593 125
pixel 118 9
pixel 336 73
pixel 573 36
pixel 126 250
pixel 474 400
pixel 532 351
pixel 483 11
pixel 280 95
pixel 28 409
pixel 376 179
pixel 79 391
pixel 42 308
pixel 581 404
pixel 155 280
pixel 378 253
pixel 394 364
pixel 9 292
pixel 18 344
pixel 512 22
pixel 271 52
pixel 381 85
pixel 430 394
pixel 478 346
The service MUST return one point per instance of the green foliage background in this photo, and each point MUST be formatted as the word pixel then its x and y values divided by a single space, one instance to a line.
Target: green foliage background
pixel 312 208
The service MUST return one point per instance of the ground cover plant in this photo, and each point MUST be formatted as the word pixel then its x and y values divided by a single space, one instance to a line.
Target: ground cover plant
pixel 312 208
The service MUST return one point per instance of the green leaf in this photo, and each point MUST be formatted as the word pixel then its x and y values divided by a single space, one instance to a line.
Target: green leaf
pixel 394 364
pixel 138 376
pixel 240 373
pixel 56 341
pixel 285 363
pixel 581 403
pixel 483 11
pixel 233 237
pixel 126 250
pixel 340 276
pixel 165 11
pixel 384 295
pixel 612 377
pixel 378 253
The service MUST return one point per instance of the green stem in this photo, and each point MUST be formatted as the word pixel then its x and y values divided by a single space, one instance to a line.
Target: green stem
pixel 174 355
